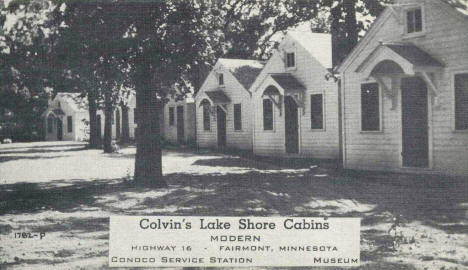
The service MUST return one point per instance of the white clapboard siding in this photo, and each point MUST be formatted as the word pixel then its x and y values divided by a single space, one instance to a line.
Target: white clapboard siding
pixel 311 73
pixel 446 39
pixel 236 92
pixel 170 131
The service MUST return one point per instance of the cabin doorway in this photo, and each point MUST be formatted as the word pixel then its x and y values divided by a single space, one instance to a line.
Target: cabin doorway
pixel 415 126
pixel 291 125
pixel 180 124
pixel 221 124
pixel 59 130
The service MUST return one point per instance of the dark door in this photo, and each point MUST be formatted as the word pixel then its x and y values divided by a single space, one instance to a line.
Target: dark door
pixel 221 124
pixel 59 130
pixel 99 126
pixel 117 124
pixel 291 125
pixel 415 139
pixel 180 124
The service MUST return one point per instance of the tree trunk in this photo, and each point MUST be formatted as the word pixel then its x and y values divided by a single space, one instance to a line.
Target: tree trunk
pixel 94 140
pixel 125 125
pixel 148 163
pixel 108 112
pixel 337 36
pixel 351 26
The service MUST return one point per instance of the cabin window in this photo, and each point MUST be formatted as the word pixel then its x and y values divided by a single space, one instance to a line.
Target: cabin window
pixel 370 107
pixel 316 111
pixel 414 21
pixel 267 114
pixel 237 117
pixel 221 79
pixel 50 122
pixel 206 117
pixel 69 124
pixel 171 116
pixel 290 60
pixel 461 101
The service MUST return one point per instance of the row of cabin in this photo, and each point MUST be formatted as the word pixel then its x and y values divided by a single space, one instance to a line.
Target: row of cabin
pixel 400 104
pixel 285 106
pixel 67 119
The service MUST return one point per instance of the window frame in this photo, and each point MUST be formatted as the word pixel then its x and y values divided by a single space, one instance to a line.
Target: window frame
pixel 206 108
pixel 69 124
pixel 272 116
pixel 380 103
pixel 289 52
pixel 234 117
pixel 221 79
pixel 412 8
pixel 171 116
pixel 454 98
pixel 323 111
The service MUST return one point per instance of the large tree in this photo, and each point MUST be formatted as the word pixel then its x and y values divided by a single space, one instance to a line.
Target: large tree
pixel 168 38
pixel 90 50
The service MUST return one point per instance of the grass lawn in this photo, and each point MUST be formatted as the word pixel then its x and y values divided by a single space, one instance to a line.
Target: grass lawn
pixel 68 192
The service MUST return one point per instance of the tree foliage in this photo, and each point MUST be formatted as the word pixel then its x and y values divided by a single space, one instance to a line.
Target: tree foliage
pixel 25 69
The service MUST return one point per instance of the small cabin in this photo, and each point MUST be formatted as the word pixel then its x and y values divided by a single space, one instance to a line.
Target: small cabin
pixel 67 119
pixel 224 105
pixel 179 120
pixel 405 91
pixel 295 105
pixel 64 119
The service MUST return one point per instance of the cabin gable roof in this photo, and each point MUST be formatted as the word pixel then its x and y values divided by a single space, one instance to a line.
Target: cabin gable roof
pixel 244 71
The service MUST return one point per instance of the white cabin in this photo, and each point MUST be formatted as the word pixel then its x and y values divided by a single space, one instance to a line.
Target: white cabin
pixel 67 119
pixel 295 106
pixel 405 91
pixel 223 105
pixel 178 125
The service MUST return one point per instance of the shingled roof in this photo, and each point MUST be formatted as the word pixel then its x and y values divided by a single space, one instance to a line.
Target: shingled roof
pixel 317 44
pixel 245 71
pixel 460 5
pixel 218 97
pixel 414 55
pixel 287 82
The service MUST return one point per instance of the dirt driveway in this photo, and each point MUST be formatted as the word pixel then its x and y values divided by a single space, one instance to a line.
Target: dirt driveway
pixel 69 192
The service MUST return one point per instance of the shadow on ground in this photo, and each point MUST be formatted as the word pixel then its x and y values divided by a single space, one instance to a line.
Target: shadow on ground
pixel 435 202
pixel 377 198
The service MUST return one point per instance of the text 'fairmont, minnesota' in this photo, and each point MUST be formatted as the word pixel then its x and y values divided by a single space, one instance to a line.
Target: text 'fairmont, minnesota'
pixel 233 241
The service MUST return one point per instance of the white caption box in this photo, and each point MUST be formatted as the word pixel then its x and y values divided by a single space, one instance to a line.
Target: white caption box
pixel 169 241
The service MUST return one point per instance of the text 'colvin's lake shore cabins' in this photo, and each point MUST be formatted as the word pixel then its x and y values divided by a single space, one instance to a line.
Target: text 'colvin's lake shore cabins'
pixel 405 91
pixel 67 113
